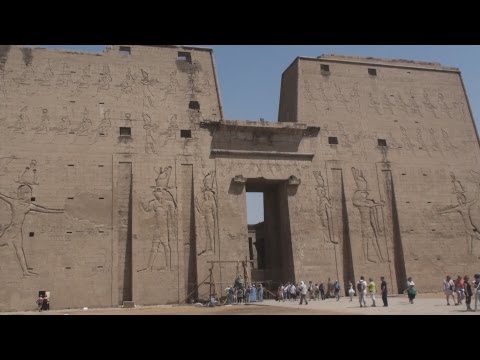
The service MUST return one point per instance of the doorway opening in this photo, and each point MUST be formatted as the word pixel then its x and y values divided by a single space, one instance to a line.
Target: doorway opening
pixel 269 237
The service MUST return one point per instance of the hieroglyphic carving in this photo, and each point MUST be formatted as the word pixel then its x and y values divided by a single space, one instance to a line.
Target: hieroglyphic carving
pixel 421 142
pixel 340 97
pixel 447 144
pixel 374 103
pixel 443 105
pixel 25 77
pixel 355 99
pixel 407 143
pixel 165 208
pixel 472 230
pixel 458 189
pixel 147 92
pixel 207 206
pixel 433 141
pixel 388 104
pixel 172 128
pixel 105 124
pixel 414 107
pixel 126 86
pixel 43 126
pixel 64 125
pixel 428 104
pixel 401 104
pixel 321 103
pixel 149 129
pixel 368 217
pixel 192 80
pixel 84 81
pixel 12 235
pixel 65 77
pixel 47 75
pixel 85 125
pixel 324 208
pixel 4 162
pixel 22 122
pixel 103 83
pixel 29 175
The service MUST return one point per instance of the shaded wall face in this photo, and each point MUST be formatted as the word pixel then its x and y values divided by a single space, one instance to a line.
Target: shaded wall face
pixel 61 116
pixel 411 202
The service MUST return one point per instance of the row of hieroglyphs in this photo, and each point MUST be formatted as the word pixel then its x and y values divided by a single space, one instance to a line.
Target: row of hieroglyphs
pixel 371 213
pixel 100 81
pixel 63 124
pixel 415 140
pixel 414 104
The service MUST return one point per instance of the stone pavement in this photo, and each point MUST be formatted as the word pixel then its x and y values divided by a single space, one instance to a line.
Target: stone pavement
pixel 425 304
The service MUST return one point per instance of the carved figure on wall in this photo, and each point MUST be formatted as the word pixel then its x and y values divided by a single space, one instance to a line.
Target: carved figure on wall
pixel 13 235
pixel 165 208
pixel 443 105
pixel 147 92
pixel 447 144
pixel 368 218
pixel 65 77
pixel 105 124
pixel 126 86
pixel 47 75
pixel 355 99
pixel 421 142
pixel 29 175
pixel 172 128
pixel 26 76
pixel 428 104
pixel 414 107
pixel 433 141
pixel 457 188
pixel 44 124
pixel 407 143
pixel 463 208
pixel 401 104
pixel 208 208
pixel 62 129
pixel 388 104
pixel 374 104
pixel 85 125
pixel 4 162
pixel 163 176
pixel 324 206
pixel 340 97
pixel 22 121
pixel 149 129
pixel 104 80
pixel 84 81
pixel 172 85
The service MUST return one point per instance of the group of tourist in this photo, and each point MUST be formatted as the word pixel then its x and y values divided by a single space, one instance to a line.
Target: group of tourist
pixel 462 289
pixel 241 293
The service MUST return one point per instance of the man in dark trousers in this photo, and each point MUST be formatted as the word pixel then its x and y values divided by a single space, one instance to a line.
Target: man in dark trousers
pixel 383 288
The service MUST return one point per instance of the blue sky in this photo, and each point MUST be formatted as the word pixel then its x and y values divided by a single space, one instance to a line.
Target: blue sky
pixel 250 75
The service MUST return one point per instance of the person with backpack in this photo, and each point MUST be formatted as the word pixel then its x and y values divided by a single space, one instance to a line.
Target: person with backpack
pixel 362 291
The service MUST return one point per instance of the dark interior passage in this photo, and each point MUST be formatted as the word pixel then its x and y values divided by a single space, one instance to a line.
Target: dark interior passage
pixel 269 242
